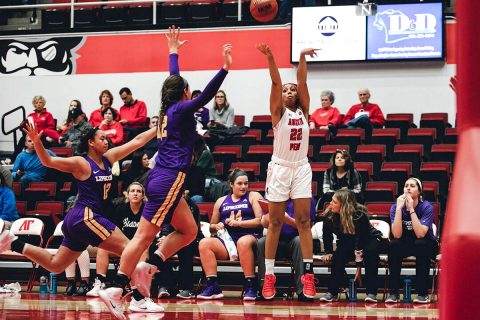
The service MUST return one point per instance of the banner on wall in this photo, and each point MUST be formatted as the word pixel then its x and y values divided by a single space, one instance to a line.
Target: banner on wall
pixel 124 53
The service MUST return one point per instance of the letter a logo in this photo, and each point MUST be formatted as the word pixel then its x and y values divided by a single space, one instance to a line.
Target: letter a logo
pixel 26 225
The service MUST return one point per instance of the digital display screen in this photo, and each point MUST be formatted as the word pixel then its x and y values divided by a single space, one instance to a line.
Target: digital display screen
pixel 347 33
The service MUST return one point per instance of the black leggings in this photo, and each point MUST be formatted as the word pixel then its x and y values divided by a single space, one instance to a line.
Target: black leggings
pixel 423 249
pixel 345 253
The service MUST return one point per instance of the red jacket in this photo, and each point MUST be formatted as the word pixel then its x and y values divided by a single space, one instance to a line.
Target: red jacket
pixel 96 117
pixel 136 114
pixel 45 122
pixel 322 117
pixel 114 131
pixel 375 114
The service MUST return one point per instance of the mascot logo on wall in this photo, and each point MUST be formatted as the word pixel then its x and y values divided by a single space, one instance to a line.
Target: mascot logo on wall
pixel 34 57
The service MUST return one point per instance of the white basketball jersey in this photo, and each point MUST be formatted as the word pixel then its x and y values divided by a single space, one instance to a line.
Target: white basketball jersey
pixel 291 134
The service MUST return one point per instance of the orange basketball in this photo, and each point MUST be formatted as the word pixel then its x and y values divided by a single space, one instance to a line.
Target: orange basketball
pixel 264 10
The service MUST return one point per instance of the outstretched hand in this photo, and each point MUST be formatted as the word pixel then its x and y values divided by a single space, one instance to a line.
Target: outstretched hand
pixel 310 52
pixel 172 39
pixel 227 56
pixel 32 132
pixel 263 48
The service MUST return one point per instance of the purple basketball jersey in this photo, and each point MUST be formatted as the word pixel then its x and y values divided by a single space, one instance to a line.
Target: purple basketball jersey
pixel 93 192
pixel 239 210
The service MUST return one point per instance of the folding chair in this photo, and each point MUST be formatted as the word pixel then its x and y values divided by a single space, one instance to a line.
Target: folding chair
pixel 29 230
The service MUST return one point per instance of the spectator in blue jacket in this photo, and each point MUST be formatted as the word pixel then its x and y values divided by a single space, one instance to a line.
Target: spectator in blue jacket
pixel 27 167
pixel 8 209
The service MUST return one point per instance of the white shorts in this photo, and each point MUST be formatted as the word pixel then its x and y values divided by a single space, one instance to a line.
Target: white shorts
pixel 288 180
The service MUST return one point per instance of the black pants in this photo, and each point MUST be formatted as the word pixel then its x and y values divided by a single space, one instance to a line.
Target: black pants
pixel 345 253
pixel 166 276
pixel 423 249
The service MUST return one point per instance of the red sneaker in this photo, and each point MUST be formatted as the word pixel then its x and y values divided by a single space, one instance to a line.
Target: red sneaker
pixel 308 281
pixel 268 291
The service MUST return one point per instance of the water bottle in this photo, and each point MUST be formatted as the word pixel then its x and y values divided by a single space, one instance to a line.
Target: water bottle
pixel 229 244
pixel 43 285
pixel 53 283
pixel 407 290
pixel 352 290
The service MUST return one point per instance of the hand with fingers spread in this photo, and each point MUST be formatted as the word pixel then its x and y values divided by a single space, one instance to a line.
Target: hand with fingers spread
pixel 32 132
pixel 173 41
pixel 263 48
pixel 327 257
pixel 309 52
pixel 227 56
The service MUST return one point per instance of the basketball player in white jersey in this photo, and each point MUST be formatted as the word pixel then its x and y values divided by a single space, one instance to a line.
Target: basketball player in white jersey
pixel 289 173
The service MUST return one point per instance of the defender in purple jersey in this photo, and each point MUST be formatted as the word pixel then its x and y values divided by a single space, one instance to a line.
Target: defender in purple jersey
pixel 239 213
pixel 86 223
pixel 165 182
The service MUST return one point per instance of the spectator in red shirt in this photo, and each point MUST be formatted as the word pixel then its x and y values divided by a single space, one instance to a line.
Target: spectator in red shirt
pixel 112 129
pixel 43 119
pixel 133 113
pixel 106 100
pixel 326 117
pixel 364 115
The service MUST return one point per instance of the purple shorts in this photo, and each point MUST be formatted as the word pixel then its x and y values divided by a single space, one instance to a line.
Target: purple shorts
pixel 164 189
pixel 82 227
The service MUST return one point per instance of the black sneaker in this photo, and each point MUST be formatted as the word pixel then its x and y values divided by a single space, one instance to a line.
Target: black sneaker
pixel 302 298
pixel 82 289
pixel 186 294
pixel 71 288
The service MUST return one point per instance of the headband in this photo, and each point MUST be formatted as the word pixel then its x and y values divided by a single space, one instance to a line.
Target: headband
pixel 418 182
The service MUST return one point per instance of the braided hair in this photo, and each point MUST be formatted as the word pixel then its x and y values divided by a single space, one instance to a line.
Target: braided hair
pixel 172 91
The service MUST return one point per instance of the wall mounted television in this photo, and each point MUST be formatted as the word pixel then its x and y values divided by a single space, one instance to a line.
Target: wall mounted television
pixel 409 31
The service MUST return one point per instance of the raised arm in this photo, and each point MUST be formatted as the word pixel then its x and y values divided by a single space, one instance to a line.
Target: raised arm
pixel 173 45
pixel 212 87
pixel 120 152
pixel 303 94
pixel 276 104
pixel 77 166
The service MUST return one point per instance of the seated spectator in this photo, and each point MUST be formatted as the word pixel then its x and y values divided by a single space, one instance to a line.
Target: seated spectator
pixel 239 213
pixel 71 138
pixel 7 176
pixel 83 262
pixel 357 240
pixel 106 100
pixel 364 115
pixel 138 170
pixel 152 146
pixel 203 170
pixel 288 246
pixel 69 122
pixel 8 209
pixel 202 115
pixel 221 114
pixel 412 229
pixel 43 119
pixel 326 117
pixel 27 167
pixel 340 175
pixel 126 217
pixel 113 129
pixel 133 113
pixel 166 277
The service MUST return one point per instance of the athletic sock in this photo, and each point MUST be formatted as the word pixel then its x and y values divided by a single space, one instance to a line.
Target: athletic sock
pixel 269 266
pixel 137 295
pixel 156 260
pixel 101 278
pixel 308 265
pixel 121 280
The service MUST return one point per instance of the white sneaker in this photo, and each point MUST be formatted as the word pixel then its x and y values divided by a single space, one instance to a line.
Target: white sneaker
pixel 11 288
pixel 112 297
pixel 97 286
pixel 142 277
pixel 144 305
pixel 6 239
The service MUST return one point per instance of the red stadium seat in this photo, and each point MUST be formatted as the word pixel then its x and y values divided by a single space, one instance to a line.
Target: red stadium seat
pixel 366 171
pixel 379 210
pixel 203 10
pixel 350 137
pixel 409 152
pixel 438 120
pixel 327 150
pixel 206 210
pixel 437 171
pixel 430 190
pixel 318 171
pixel 388 136
pixel 443 152
pixel 396 171
pixel 380 191
pixel 318 138
pixel 262 154
pixel 262 122
pixel 62 151
pixel 425 136
pixel 227 154
pixel 21 207
pixel 251 168
pixel 451 136
pixel 219 167
pixel 174 11
pixel 258 186
pixel 402 121
pixel 239 120
pixel 252 137
pixel 374 153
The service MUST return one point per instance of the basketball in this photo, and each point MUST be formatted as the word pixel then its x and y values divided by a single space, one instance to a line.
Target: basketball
pixel 264 10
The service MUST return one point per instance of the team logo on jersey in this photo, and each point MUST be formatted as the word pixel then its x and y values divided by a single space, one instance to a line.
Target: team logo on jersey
pixel 31 57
